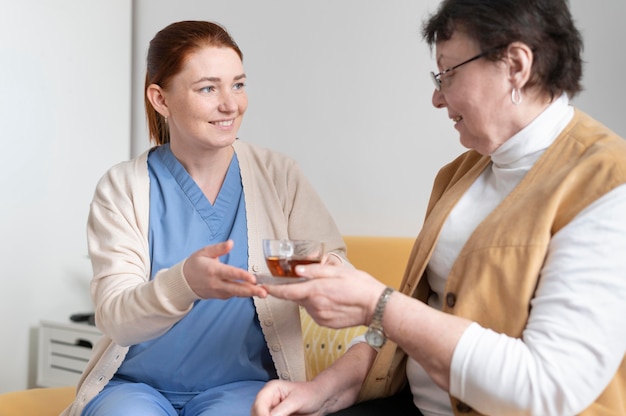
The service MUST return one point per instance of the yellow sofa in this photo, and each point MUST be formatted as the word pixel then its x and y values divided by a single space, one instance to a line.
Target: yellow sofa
pixel 383 257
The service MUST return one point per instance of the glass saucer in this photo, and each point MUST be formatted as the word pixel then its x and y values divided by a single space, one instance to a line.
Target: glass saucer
pixel 266 279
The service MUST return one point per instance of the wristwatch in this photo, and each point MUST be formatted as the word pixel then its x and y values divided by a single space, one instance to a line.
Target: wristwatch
pixel 375 335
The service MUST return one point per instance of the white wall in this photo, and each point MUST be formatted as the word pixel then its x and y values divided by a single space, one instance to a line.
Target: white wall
pixel 343 87
pixel 65 116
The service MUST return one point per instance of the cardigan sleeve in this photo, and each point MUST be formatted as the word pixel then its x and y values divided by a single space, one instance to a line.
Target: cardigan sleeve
pixel 129 307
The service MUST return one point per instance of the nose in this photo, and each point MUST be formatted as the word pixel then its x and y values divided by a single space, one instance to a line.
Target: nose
pixel 438 100
pixel 228 103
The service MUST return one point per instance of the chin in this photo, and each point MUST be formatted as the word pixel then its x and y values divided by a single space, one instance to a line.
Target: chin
pixel 472 143
pixel 227 140
pixel 465 142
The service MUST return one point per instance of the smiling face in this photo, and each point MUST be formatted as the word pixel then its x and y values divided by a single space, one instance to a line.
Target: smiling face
pixel 205 102
pixel 477 95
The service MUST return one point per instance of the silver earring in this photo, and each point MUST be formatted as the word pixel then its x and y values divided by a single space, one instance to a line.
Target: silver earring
pixel 516 96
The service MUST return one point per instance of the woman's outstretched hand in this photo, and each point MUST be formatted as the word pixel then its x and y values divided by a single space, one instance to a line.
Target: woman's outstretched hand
pixel 208 277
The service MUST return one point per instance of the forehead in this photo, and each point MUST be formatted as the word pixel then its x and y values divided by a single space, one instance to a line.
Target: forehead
pixel 212 61
pixel 460 45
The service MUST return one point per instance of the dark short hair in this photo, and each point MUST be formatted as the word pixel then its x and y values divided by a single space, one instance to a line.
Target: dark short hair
pixel 167 52
pixel 546 26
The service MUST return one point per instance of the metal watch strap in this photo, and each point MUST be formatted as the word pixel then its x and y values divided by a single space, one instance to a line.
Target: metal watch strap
pixel 377 317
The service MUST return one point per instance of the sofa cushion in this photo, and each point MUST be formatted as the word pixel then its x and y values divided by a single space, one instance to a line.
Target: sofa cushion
pixel 36 402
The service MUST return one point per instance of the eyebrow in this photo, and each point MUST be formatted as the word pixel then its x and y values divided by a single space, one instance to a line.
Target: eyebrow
pixel 217 79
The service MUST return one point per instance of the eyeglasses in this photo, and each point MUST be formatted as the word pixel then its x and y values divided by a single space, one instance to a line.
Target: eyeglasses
pixel 437 77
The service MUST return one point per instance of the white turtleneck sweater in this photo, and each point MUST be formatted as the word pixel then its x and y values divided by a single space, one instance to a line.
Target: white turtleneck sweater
pixel 576 334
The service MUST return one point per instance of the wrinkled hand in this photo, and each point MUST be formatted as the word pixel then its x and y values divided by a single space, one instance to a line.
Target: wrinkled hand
pixel 283 398
pixel 210 278
pixel 336 296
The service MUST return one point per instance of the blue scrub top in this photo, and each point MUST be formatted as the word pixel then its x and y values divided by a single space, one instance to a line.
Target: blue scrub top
pixel 219 341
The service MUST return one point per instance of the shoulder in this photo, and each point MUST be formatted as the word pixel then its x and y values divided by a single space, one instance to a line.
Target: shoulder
pixel 125 176
pixel 268 159
pixel 135 166
pixel 595 146
pixel 464 163
pixel 592 134
pixel 249 149
pixel 465 159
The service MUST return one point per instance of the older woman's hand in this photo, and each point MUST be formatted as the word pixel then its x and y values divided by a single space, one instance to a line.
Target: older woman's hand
pixel 333 259
pixel 335 296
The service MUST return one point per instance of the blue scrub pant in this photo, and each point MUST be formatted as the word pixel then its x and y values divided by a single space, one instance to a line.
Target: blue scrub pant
pixel 133 399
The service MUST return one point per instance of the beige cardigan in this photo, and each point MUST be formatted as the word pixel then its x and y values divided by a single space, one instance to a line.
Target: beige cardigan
pixel 585 162
pixel 130 308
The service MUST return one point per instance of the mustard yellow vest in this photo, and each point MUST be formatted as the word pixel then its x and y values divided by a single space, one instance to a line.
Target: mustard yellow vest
pixel 495 275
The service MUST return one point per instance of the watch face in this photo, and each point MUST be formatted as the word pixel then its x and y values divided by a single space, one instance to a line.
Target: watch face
pixel 375 337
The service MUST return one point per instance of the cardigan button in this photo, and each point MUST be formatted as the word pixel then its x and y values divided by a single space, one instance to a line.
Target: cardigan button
pixel 268 322
pixel 276 347
pixel 450 299
pixel 256 268
pixel 285 375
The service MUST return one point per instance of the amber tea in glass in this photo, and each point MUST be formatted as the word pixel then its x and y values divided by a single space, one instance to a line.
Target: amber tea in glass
pixel 282 256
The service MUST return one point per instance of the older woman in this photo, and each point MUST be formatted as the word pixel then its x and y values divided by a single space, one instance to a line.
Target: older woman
pixel 513 299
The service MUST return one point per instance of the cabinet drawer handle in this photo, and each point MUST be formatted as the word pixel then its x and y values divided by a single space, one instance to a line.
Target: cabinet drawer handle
pixel 84 343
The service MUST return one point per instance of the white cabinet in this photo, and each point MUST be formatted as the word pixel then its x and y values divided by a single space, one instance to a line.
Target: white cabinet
pixel 64 349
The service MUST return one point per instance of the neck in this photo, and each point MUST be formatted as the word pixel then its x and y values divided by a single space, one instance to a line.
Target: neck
pixel 534 104
pixel 208 169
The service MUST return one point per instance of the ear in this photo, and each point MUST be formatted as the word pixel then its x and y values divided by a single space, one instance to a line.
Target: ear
pixel 157 99
pixel 519 57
